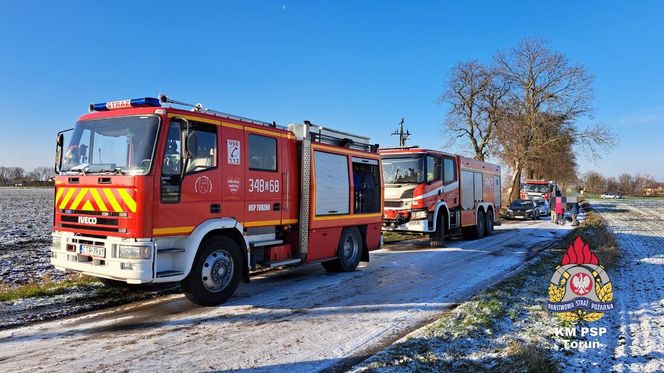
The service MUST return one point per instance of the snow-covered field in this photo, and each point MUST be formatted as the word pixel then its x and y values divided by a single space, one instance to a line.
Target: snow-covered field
pixel 302 319
pixel 635 338
pixel 26 216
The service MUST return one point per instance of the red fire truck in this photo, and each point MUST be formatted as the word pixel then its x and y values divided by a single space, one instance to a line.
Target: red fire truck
pixel 149 193
pixel 537 189
pixel 444 195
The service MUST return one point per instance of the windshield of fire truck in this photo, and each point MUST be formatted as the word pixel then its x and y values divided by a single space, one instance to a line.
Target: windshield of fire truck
pixel 123 145
pixel 403 170
pixel 536 188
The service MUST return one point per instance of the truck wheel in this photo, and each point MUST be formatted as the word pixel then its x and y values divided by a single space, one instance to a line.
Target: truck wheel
pixel 479 226
pixel 216 272
pixel 438 237
pixel 488 223
pixel 348 252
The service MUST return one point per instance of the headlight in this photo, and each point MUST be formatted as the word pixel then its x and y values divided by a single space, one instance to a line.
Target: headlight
pixel 529 210
pixel 510 211
pixel 135 252
pixel 420 214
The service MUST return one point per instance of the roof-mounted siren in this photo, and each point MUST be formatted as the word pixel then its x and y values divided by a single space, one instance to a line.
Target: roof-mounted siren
pixel 125 104
pixel 194 107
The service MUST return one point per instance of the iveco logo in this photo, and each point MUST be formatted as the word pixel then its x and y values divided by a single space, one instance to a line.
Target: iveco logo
pixel 87 220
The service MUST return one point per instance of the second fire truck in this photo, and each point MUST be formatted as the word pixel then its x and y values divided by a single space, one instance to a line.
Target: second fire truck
pixel 439 194
pixel 147 193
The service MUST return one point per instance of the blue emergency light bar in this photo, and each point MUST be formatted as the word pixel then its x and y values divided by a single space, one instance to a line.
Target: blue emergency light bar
pixel 124 104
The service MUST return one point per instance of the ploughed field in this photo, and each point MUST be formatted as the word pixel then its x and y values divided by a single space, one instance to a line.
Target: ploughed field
pixel 26 216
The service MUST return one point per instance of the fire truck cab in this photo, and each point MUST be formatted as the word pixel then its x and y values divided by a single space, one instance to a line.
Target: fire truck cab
pixel 150 193
pixel 440 194
pixel 538 189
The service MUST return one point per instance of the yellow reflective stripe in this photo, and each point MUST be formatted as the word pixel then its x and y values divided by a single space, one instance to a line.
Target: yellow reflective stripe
pixel 231 125
pixel 127 199
pixel 70 192
pixel 98 199
pixel 197 119
pixel 111 199
pixel 348 216
pixel 78 198
pixel 262 223
pixel 58 194
pixel 172 230
pixel 288 221
pixel 87 206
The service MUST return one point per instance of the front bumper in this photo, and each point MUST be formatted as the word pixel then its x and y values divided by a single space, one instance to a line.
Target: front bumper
pixel 413 226
pixel 66 256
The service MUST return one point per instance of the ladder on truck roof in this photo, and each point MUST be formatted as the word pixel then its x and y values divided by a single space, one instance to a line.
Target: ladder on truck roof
pixel 329 136
pixel 308 133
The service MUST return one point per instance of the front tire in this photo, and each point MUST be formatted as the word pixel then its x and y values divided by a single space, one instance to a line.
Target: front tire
pixel 479 226
pixel 488 223
pixel 438 237
pixel 216 272
pixel 349 252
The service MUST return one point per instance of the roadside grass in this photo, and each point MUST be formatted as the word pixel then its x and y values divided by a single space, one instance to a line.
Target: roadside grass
pixel 389 237
pixel 506 328
pixel 45 287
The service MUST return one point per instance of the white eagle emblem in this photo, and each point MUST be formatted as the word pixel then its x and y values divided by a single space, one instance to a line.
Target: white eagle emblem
pixel 581 283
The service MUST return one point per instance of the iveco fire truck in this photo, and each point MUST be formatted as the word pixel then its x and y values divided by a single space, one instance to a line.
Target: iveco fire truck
pixel 439 194
pixel 147 192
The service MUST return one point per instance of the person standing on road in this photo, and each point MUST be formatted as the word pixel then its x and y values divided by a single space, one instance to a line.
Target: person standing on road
pixel 554 193
pixel 574 210
pixel 560 210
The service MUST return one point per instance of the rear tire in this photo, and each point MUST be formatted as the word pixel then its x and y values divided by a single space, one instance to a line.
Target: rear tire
pixel 216 272
pixel 488 223
pixel 438 237
pixel 479 225
pixel 349 252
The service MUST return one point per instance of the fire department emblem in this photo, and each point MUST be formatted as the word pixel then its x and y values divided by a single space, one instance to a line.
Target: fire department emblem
pixel 203 185
pixel 580 289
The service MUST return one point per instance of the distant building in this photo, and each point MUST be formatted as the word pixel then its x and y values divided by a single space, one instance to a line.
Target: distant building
pixel 655 190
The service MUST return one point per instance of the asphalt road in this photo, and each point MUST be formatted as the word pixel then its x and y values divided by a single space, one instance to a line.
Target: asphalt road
pixel 301 319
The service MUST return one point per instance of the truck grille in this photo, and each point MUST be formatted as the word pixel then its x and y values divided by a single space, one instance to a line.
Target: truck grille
pixel 394 204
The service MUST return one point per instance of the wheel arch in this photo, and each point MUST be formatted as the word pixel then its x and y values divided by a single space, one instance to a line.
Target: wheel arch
pixel 228 227
pixel 441 208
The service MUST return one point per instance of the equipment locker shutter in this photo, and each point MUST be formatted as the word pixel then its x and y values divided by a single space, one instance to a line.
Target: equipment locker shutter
pixel 479 187
pixel 332 185
pixel 467 190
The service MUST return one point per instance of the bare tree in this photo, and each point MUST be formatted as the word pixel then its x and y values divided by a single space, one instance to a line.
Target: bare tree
pixel 594 182
pixel 474 93
pixel 547 91
pixel 42 173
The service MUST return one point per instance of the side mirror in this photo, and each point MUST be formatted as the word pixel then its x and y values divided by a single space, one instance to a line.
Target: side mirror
pixel 59 144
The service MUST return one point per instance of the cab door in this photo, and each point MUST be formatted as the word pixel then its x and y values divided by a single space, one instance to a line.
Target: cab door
pixel 264 182
pixel 184 202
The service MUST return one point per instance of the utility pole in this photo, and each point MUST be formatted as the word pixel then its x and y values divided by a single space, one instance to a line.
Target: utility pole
pixel 403 136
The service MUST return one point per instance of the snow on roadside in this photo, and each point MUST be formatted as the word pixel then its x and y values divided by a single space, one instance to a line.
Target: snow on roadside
pixel 26 216
pixel 635 338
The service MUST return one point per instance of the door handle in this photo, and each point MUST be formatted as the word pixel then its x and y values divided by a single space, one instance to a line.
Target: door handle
pixel 215 208
pixel 276 206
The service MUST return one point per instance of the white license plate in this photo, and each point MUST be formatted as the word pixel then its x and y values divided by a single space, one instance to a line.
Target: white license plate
pixel 92 251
